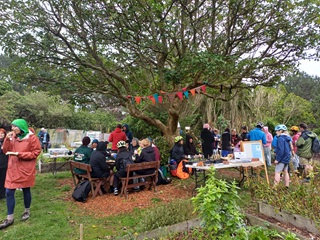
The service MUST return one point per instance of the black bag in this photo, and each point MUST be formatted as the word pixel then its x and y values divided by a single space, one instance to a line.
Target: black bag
pixel 162 179
pixel 81 191
pixel 127 161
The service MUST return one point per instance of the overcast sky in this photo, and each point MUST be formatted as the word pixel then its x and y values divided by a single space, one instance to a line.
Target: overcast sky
pixel 310 67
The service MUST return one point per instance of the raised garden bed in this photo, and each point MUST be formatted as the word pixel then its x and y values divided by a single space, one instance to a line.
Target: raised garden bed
pixel 285 217
pixel 49 167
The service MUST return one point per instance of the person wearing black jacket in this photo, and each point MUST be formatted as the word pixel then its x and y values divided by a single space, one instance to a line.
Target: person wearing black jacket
pixel 207 141
pixel 3 164
pixel 99 166
pixel 177 152
pixel 122 155
pixel 147 155
pixel 226 142
pixel 188 147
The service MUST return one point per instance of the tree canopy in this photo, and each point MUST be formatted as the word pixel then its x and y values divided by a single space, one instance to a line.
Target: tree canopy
pixel 122 48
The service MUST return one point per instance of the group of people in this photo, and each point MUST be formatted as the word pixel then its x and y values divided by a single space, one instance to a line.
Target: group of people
pixel 124 148
pixel 286 145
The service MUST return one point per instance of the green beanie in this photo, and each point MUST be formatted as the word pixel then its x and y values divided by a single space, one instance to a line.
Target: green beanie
pixel 22 125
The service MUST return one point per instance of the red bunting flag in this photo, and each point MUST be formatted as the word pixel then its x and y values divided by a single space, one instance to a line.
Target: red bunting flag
pixel 152 99
pixel 138 99
pixel 203 87
pixel 160 99
pixel 179 94
pixel 184 89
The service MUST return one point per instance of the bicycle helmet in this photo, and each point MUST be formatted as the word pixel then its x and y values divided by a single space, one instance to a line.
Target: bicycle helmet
pixel 177 139
pixel 294 128
pixel 280 127
pixel 121 144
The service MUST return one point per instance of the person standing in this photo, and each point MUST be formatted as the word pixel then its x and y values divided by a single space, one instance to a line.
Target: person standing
pixel 267 146
pixel 304 144
pixel 283 155
pixel 44 139
pixel 126 130
pixel 116 136
pixel 257 134
pixel 244 134
pixel 295 133
pixel 207 141
pixel 225 143
pixel 3 164
pixel 23 148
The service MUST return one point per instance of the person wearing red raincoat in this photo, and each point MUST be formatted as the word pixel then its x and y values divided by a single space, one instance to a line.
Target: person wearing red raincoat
pixel 23 147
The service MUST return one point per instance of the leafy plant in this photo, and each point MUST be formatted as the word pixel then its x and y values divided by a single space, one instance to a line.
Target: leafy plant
pixel 216 203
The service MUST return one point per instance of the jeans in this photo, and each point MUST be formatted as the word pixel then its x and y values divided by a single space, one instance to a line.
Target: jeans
pixel 267 155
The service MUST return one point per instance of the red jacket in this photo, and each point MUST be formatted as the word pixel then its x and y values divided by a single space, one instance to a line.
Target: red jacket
pixel 116 136
pixel 21 172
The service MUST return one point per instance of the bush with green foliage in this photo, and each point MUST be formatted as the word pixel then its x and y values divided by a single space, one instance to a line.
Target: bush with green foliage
pixel 216 203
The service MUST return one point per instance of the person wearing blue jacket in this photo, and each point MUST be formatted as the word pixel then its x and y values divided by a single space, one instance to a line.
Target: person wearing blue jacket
pixel 257 134
pixel 283 154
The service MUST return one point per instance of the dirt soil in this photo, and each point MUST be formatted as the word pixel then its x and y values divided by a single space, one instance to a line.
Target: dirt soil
pixel 100 206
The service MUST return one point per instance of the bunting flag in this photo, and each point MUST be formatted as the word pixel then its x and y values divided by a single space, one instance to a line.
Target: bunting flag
pixel 179 94
pixel 186 94
pixel 171 96
pixel 138 99
pixel 204 88
pixel 152 99
pixel 155 98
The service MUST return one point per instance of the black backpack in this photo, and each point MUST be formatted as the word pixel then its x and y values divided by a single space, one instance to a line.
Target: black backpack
pixel 127 161
pixel 81 191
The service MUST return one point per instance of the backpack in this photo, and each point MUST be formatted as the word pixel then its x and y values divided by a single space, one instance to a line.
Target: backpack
pixel 127 161
pixel 81 191
pixel 315 145
pixel 182 171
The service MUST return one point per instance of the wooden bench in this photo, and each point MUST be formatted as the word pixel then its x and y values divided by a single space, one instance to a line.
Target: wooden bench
pixel 96 183
pixel 151 179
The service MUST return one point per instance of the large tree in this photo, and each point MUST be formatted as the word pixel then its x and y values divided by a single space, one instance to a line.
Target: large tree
pixel 124 48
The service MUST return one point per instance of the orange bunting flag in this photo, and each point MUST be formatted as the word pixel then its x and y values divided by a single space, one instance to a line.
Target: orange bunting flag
pixel 179 94
pixel 160 99
pixel 171 96
pixel 162 92
pixel 203 88
pixel 152 99
pixel 193 92
pixel 138 99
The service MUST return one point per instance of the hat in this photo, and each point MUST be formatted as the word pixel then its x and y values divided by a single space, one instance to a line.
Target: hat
pixel 260 125
pixel 294 128
pixel 86 140
pixel 95 140
pixel 23 126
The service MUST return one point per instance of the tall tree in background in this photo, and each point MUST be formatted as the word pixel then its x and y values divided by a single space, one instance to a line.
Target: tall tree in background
pixel 127 48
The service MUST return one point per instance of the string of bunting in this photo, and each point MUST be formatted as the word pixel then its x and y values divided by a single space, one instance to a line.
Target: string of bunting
pixel 158 97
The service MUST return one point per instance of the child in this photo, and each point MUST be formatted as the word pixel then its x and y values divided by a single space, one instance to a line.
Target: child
pixel 283 155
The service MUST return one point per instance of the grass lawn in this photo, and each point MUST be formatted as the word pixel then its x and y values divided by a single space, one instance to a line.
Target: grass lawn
pixel 54 216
